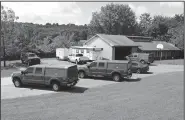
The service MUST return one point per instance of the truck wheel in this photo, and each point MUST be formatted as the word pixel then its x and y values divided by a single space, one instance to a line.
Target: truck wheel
pixel 81 74
pixel 17 82
pixel 55 86
pixel 142 61
pixel 138 71
pixel 76 61
pixel 116 77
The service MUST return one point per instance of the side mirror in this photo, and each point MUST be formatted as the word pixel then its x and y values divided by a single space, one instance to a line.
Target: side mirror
pixel 23 72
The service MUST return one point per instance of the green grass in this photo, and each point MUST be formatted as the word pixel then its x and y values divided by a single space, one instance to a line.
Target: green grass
pixel 170 62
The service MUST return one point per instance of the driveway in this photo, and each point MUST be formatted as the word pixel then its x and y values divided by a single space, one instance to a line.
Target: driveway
pixel 9 91
pixel 158 97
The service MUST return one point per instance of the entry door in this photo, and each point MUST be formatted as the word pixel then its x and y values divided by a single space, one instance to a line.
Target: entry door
pixel 28 76
pixel 38 77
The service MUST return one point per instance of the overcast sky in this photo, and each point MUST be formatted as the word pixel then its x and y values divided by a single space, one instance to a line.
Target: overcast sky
pixel 81 12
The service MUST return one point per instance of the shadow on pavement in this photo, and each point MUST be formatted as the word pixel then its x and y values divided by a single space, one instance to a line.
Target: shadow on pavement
pixel 147 73
pixel 133 80
pixel 153 64
pixel 74 89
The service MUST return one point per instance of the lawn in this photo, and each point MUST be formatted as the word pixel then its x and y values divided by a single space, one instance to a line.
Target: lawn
pixel 171 62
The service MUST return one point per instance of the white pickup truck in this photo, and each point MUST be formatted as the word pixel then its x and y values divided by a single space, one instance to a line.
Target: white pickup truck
pixel 78 58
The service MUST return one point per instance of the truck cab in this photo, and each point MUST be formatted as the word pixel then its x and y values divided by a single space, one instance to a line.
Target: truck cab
pixel 106 68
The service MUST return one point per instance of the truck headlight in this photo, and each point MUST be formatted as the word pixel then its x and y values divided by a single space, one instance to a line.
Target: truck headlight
pixel 12 75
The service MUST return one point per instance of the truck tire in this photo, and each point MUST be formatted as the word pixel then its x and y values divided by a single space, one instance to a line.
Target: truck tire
pixel 116 77
pixel 142 61
pixel 55 86
pixel 138 71
pixel 17 82
pixel 81 74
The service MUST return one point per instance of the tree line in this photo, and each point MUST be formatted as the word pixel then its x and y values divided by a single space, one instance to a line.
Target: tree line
pixel 113 19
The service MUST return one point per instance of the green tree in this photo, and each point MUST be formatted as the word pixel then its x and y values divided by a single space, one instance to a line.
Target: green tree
pixel 145 23
pixel 8 19
pixel 113 19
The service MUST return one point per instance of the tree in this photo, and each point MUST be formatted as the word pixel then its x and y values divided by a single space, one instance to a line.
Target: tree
pixel 145 23
pixel 8 19
pixel 113 19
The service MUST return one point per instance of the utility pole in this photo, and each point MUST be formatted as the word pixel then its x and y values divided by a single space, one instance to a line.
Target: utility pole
pixel 3 41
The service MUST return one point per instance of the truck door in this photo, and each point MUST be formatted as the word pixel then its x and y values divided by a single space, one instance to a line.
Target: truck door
pixel 93 69
pixel 101 69
pixel 28 76
pixel 38 77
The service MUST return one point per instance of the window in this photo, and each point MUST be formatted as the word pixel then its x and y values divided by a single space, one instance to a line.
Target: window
pixel 94 64
pixel 77 51
pixel 87 51
pixel 30 70
pixel 38 71
pixel 101 64
pixel 135 55
pixel 32 55
pixel 82 51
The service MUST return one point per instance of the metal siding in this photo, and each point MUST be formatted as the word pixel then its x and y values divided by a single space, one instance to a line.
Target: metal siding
pixel 99 43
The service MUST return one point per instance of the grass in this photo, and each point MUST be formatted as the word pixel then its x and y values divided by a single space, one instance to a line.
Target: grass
pixel 171 62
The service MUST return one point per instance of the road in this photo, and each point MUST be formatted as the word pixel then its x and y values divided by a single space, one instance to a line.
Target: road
pixel 158 97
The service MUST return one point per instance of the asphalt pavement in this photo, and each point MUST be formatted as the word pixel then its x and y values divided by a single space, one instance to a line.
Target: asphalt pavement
pixel 158 97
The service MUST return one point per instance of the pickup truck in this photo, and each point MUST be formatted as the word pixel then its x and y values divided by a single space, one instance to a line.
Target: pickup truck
pixel 30 58
pixel 48 75
pixel 78 58
pixel 142 57
pixel 116 69
pixel 138 67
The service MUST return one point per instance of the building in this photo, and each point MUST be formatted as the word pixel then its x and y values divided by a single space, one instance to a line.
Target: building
pixel 93 53
pixel 146 45
pixel 115 47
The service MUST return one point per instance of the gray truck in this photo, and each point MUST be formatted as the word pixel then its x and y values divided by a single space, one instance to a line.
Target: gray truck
pixel 116 69
pixel 30 58
pixel 48 75
pixel 141 57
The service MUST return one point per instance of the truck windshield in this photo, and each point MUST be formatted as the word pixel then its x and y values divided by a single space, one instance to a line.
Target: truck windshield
pixel 31 55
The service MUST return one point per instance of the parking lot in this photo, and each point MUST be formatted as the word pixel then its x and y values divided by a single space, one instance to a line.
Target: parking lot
pixel 9 91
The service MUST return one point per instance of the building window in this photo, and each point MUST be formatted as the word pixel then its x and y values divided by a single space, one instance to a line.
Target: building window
pixel 77 51
pixel 87 51
pixel 82 50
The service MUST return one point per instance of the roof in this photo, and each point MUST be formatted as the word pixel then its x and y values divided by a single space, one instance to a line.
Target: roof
pixel 139 37
pixel 150 46
pixel 115 40
pixel 54 65
pixel 84 47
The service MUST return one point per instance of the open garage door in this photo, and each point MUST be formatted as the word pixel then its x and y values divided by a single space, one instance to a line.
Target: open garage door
pixel 122 52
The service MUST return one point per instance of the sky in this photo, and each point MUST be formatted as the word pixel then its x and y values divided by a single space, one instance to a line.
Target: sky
pixel 80 13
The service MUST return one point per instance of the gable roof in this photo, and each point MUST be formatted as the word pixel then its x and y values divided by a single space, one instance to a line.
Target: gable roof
pixel 150 46
pixel 114 40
